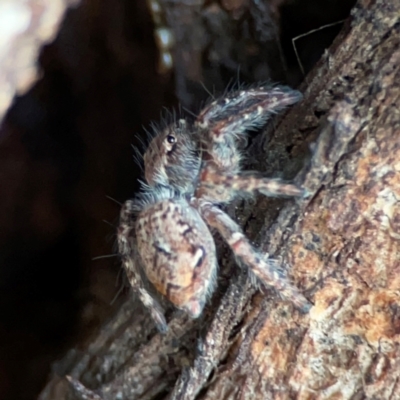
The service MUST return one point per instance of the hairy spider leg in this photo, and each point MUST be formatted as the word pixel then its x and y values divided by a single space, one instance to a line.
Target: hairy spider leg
pixel 262 267
pixel 224 120
pixel 218 187
pixel 131 262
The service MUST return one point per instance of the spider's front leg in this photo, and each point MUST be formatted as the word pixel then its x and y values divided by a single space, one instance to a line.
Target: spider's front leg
pixel 229 117
pixel 131 262
pixel 262 267
pixel 215 186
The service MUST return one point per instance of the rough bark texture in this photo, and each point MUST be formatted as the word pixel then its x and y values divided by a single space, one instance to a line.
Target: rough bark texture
pixel 342 245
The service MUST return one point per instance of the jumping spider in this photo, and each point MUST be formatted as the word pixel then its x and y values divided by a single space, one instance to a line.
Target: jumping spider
pixel 191 169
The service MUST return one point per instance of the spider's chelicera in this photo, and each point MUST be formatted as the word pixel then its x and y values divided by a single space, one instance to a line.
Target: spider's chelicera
pixel 190 170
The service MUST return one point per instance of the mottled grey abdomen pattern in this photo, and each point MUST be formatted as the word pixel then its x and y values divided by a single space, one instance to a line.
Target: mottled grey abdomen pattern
pixel 178 253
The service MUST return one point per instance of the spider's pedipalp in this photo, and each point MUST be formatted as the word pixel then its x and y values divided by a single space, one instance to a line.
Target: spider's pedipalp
pixel 258 264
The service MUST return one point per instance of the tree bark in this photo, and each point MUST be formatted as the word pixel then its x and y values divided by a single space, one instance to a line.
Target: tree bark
pixel 342 244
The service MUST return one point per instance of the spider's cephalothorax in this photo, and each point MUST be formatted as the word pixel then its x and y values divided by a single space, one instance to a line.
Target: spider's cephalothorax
pixel 190 170
pixel 172 158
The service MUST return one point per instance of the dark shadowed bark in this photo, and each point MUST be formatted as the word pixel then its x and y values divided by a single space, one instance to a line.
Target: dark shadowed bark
pixel 342 246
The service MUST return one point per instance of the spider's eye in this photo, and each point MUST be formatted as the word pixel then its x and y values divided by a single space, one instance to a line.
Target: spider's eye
pixel 171 139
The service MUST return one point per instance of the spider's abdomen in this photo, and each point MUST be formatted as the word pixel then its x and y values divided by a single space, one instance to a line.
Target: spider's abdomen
pixel 178 253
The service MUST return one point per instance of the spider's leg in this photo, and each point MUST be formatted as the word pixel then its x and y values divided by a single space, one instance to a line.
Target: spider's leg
pixel 220 187
pixel 131 262
pixel 247 109
pixel 265 270
pixel 229 117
